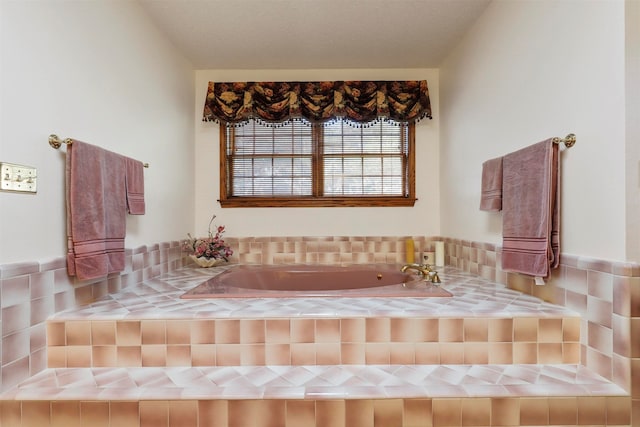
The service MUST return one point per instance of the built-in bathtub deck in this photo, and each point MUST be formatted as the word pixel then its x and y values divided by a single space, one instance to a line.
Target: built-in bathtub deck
pixel 160 298
pixel 487 356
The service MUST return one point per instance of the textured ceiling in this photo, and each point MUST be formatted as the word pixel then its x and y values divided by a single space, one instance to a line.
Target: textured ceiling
pixel 314 34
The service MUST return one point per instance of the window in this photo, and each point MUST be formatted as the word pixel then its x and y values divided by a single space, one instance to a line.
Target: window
pixel 295 164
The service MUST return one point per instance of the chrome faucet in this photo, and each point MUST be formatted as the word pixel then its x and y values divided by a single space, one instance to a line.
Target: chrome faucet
pixel 424 270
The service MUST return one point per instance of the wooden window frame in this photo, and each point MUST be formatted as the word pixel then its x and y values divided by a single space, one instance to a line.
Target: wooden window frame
pixel 227 201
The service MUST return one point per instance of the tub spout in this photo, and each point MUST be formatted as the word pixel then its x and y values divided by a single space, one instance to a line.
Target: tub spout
pixel 424 270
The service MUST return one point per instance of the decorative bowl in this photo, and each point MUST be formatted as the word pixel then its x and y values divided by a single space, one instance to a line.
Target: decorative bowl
pixel 207 262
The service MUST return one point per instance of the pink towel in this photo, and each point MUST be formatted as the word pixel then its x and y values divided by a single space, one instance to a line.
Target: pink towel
pixel 530 227
pixel 96 210
pixel 491 190
pixel 134 180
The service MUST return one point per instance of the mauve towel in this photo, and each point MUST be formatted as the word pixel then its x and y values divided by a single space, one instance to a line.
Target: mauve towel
pixel 530 206
pixel 96 210
pixel 491 190
pixel 134 180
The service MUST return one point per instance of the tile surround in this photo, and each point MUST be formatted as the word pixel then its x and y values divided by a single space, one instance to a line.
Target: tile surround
pixel 288 395
pixel 605 294
pixel 30 292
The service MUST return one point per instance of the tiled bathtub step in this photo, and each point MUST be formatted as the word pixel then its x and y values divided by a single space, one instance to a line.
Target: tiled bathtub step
pixel 409 412
pixel 307 341
pixel 314 382
pixel 317 396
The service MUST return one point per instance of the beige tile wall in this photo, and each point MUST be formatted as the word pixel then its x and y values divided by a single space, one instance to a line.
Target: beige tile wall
pixel 440 412
pixel 308 341
pixel 606 294
pixel 30 292
pixel 327 250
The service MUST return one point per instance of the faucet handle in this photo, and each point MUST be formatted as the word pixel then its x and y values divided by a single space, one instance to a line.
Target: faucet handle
pixel 434 278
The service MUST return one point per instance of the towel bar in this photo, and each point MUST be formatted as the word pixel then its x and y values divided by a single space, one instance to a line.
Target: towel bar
pixel 569 140
pixel 56 142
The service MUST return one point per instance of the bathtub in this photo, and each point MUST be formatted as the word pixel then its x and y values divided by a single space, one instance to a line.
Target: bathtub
pixel 301 281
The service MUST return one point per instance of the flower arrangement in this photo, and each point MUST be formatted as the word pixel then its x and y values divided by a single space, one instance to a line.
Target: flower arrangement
pixel 209 248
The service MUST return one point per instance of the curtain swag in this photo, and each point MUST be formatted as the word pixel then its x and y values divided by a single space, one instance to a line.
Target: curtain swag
pixel 358 102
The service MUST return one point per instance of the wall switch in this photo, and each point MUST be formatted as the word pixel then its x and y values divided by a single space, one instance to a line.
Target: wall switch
pixel 17 178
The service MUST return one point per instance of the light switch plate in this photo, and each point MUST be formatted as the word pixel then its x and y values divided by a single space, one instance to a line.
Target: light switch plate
pixel 18 178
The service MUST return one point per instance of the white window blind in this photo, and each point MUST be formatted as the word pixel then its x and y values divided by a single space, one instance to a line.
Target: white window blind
pixel 337 161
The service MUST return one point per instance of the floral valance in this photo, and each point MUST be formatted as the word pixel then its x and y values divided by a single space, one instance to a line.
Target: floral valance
pixel 358 102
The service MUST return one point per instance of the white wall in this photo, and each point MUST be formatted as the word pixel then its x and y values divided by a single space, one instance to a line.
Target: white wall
pixel 632 89
pixel 422 219
pixel 101 73
pixel 529 70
